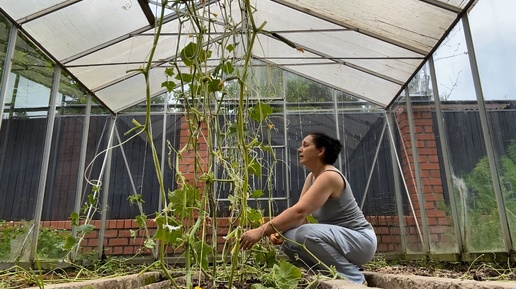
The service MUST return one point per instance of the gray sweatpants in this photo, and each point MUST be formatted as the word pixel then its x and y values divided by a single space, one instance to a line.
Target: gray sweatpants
pixel 336 246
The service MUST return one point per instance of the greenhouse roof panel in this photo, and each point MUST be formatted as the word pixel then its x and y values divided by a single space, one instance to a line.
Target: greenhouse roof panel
pixel 412 24
pixel 367 48
pixel 21 10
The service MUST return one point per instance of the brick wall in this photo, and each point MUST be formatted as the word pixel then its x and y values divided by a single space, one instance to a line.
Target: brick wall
pixel 440 224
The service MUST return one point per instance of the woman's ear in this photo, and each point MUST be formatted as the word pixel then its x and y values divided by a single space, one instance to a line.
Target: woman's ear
pixel 321 151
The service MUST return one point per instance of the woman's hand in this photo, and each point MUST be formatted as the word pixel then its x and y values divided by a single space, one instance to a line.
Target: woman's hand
pixel 276 239
pixel 251 237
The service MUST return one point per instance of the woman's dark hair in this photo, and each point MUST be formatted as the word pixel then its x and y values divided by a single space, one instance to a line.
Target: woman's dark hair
pixel 331 145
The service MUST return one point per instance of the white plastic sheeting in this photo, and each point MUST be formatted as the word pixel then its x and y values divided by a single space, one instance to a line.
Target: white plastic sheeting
pixel 367 48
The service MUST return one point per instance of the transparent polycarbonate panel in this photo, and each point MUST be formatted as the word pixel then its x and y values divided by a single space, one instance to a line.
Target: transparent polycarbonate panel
pixel 456 3
pixel 21 9
pixel 98 108
pixel 303 94
pixel 30 81
pixel 435 194
pixel 472 181
pixel 411 23
pixel 156 7
pixel 348 102
pixel 348 79
pixel 132 168
pixel 115 61
pixel 63 169
pixel 98 136
pixel 265 82
pixel 299 125
pixel 61 186
pixel 453 69
pixel 84 25
pixel 132 90
pixel 22 136
pixel 471 175
pixel 72 97
pixel 410 208
pixel 367 164
pixel 494 51
pixel 496 64
pixel 334 43
pixel 5 27
pixel 156 105
pixel 112 63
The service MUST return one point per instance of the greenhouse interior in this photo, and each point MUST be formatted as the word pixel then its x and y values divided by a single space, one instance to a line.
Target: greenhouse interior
pixel 131 124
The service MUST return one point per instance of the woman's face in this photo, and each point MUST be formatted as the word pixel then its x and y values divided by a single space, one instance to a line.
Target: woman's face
pixel 308 152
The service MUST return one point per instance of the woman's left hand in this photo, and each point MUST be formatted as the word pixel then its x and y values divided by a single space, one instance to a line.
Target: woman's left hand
pixel 249 238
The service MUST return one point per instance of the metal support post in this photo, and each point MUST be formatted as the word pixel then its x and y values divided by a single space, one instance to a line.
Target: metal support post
pixel 105 188
pixel 11 44
pixel 82 165
pixel 417 171
pixel 397 186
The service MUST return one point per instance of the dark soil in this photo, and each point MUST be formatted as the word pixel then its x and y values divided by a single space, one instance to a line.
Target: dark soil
pixel 465 271
pixel 454 270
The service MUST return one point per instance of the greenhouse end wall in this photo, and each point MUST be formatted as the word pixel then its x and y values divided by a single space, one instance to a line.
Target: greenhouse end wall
pixel 398 170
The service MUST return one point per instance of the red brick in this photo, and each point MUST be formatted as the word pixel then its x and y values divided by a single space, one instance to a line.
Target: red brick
pixel 93 242
pixel 111 234
pixel 130 224
pixel 111 224
pixel 435 213
pixel 93 234
pixel 124 233
pixel 118 241
pixel 137 241
pixel 129 250
pixel 117 250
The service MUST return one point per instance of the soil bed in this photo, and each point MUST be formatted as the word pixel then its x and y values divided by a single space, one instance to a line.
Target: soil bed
pixel 454 270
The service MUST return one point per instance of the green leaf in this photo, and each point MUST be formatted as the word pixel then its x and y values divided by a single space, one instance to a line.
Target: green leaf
pixel 228 67
pixel 185 77
pixel 260 111
pixel 70 242
pixel 169 71
pixel 217 69
pixel 215 85
pixel 141 220
pixel 201 252
pixel 92 200
pixel 231 47
pixel 204 55
pixel 255 168
pixel 286 275
pixel 257 193
pixel 168 230
pixel 188 53
pixel 135 199
pixel 254 216
pixel 75 218
pixel 170 85
pixel 86 228
pixel 183 199
pixel 149 244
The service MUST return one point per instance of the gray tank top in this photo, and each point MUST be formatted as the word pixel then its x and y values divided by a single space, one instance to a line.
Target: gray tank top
pixel 343 211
